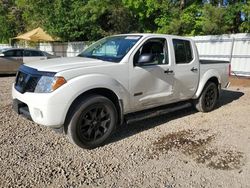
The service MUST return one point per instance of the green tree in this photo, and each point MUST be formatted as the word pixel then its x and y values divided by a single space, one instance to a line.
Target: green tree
pixel 60 18
pixel 233 16
pixel 245 25
pixel 166 16
pixel 73 20
pixel 146 12
pixel 213 20
pixel 78 20
pixel 182 22
pixel 10 20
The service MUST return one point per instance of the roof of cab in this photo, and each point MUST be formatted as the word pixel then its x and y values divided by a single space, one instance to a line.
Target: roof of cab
pixel 6 49
pixel 154 35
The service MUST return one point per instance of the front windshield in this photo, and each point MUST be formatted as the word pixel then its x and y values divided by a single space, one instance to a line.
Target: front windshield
pixel 112 48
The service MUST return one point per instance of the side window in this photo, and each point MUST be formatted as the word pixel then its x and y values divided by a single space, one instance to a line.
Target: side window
pixel 35 53
pixel 13 53
pixel 9 53
pixel 26 53
pixel 18 53
pixel 157 48
pixel 40 53
pixel 183 51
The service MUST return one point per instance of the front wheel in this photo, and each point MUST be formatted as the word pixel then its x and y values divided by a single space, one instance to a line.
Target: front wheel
pixel 93 121
pixel 208 98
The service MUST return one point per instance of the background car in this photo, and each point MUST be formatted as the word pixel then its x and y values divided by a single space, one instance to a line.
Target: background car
pixel 12 58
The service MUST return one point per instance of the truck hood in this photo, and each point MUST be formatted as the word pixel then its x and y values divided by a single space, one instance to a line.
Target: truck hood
pixel 61 64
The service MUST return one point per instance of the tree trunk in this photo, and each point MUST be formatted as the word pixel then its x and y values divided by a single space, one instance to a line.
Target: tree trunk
pixel 182 4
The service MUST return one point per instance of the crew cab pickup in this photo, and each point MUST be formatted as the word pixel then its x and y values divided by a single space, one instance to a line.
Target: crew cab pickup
pixel 119 78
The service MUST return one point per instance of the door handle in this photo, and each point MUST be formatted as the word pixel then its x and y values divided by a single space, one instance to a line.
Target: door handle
pixel 168 71
pixel 194 69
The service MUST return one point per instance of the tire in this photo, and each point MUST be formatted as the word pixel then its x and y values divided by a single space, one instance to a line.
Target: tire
pixel 208 98
pixel 92 122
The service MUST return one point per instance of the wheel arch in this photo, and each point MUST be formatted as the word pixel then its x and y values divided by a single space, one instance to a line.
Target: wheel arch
pixel 214 80
pixel 111 95
pixel 209 76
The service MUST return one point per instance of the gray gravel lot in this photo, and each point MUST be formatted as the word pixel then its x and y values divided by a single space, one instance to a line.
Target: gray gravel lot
pixel 181 149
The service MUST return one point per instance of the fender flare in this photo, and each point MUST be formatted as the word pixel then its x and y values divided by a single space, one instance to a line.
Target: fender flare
pixel 97 81
pixel 212 73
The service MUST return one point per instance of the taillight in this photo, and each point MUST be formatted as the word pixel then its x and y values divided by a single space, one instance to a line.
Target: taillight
pixel 229 70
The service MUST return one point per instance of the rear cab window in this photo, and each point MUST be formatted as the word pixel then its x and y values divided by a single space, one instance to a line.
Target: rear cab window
pixel 183 51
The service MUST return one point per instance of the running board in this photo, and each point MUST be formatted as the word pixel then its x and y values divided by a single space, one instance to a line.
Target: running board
pixel 138 116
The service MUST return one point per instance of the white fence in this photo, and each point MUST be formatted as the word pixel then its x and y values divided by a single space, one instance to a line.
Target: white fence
pixel 66 49
pixel 4 46
pixel 234 48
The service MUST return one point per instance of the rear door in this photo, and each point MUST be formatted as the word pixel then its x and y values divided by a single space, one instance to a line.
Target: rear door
pixel 186 68
pixel 33 55
pixel 11 60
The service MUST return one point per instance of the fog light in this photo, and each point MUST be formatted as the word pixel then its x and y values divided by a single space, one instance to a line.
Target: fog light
pixel 38 113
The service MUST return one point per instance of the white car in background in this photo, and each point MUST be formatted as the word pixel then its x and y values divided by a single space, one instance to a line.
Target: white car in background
pixel 12 58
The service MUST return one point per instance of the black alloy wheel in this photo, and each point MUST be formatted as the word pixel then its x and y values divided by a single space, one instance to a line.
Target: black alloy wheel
pixel 208 98
pixel 92 122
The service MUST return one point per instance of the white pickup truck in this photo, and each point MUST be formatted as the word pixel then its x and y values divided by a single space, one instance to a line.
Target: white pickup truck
pixel 119 78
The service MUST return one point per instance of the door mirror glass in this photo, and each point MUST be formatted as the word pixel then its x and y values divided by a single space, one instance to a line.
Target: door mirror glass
pixel 145 59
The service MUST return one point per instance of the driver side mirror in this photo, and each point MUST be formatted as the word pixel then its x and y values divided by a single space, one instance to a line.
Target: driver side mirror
pixel 145 59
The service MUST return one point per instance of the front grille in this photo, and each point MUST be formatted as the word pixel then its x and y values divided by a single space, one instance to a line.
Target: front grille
pixel 26 82
pixel 27 78
pixel 31 85
pixel 21 80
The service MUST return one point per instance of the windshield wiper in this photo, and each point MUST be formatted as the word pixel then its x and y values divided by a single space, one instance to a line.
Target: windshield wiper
pixel 90 56
pixel 103 58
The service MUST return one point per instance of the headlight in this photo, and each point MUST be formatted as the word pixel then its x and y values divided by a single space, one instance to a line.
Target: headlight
pixel 47 84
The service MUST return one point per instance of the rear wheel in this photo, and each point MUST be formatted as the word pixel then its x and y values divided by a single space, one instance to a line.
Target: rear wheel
pixel 92 122
pixel 208 98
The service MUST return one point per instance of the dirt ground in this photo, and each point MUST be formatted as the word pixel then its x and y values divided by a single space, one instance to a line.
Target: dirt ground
pixel 239 81
pixel 181 149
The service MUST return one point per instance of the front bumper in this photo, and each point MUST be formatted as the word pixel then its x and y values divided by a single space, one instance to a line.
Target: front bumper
pixel 48 109
pixel 21 108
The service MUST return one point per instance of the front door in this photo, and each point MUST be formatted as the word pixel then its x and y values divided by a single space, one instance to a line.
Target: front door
pixel 151 83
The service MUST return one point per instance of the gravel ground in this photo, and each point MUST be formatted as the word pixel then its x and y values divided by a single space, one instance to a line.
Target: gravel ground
pixel 181 149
